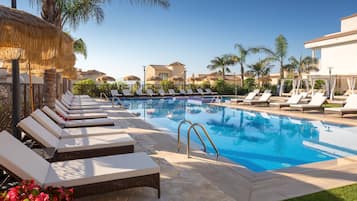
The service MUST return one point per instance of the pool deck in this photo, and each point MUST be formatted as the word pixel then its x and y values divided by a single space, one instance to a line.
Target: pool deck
pixel 203 178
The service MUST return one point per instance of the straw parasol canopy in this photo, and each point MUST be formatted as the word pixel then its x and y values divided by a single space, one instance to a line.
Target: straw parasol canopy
pixel 34 40
pixel 131 78
pixel 105 78
pixel 155 78
pixel 177 78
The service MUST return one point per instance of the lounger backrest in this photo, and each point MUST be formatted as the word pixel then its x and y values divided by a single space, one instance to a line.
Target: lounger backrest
pixel 138 91
pixel 114 92
pixel 21 160
pixel 199 91
pixel 294 99
pixel 171 91
pixel 60 105
pixel 38 132
pixel 265 97
pixel 47 122
pixel 208 90
pixel 53 115
pixel 317 100
pixel 303 94
pixel 351 101
pixel 256 91
pixel 189 91
pixel 126 92
pixel 60 111
pixel 161 91
pixel 149 91
pixel 182 91
pixel 250 96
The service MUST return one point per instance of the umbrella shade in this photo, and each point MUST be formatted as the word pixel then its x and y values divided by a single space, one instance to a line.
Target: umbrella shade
pixel 131 78
pixel 155 78
pixel 32 38
pixel 177 78
pixel 105 78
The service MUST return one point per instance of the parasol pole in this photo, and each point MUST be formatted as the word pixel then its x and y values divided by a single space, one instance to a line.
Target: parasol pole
pixel 31 87
pixel 16 105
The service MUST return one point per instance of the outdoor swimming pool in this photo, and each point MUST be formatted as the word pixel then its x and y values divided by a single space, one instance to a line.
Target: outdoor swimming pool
pixel 258 141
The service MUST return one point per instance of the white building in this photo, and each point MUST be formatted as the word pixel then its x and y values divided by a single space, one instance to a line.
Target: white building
pixel 337 54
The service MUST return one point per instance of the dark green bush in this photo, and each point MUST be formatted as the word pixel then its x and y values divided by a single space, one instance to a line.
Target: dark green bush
pixel 167 84
pixel 250 84
pixel 87 87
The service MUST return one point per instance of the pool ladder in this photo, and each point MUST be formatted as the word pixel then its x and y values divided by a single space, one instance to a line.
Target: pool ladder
pixel 193 127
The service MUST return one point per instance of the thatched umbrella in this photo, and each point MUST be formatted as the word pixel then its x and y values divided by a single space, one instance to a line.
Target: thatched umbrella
pixel 105 78
pixel 155 78
pixel 25 36
pixel 131 78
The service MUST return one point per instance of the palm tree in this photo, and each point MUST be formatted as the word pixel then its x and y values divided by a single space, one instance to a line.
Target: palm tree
pixel 260 70
pixel 222 63
pixel 302 65
pixel 80 47
pixel 241 57
pixel 280 52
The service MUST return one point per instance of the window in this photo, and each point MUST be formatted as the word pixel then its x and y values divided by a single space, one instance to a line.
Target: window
pixel 164 76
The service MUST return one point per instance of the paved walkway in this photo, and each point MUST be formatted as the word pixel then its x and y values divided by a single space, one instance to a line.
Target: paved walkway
pixel 204 178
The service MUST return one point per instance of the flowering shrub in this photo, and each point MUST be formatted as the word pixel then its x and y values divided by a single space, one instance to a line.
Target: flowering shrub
pixel 29 191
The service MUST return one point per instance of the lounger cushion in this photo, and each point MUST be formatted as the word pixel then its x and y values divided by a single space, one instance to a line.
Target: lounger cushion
pixel 88 122
pixel 341 109
pixel 100 169
pixel 79 116
pixel 81 111
pixel 21 160
pixel 90 131
pixel 53 115
pixel 48 123
pixel 94 142
pixel 38 132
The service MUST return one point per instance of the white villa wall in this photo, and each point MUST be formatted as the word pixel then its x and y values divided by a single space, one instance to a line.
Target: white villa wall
pixel 349 24
pixel 342 58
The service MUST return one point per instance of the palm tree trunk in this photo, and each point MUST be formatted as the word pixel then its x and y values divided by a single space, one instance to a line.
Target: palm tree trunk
pixel 242 75
pixel 223 73
pixel 49 88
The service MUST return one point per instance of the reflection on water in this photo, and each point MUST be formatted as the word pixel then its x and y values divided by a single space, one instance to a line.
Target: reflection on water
pixel 259 141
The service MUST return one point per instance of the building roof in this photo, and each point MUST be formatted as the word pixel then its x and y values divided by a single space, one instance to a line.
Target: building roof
pixel 332 36
pixel 160 67
pixel 350 16
pixel 176 64
pixel 88 72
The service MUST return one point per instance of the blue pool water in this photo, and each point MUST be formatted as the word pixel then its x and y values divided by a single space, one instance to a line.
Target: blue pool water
pixel 258 141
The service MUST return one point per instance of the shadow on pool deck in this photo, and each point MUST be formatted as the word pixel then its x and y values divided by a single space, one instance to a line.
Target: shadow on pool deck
pixel 203 178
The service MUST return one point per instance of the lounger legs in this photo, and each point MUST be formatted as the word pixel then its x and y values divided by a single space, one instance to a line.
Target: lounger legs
pixel 152 181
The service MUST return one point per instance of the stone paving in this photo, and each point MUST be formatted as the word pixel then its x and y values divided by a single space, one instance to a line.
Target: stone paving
pixel 203 178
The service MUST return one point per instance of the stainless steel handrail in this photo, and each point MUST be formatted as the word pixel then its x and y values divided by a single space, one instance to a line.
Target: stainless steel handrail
pixel 179 134
pixel 207 135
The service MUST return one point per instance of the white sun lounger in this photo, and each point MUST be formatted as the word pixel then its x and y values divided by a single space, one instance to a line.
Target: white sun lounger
pixel 264 99
pixel 209 91
pixel 315 104
pixel 78 107
pixel 59 132
pixel 172 92
pixel 250 96
pixel 139 92
pixel 349 108
pixel 80 111
pixel 79 116
pixel 78 103
pixel 77 123
pixel 87 176
pixel 149 92
pixel 115 93
pixel 200 91
pixel 80 96
pixel 183 92
pixel 162 92
pixel 294 99
pixel 73 148
pixel 126 92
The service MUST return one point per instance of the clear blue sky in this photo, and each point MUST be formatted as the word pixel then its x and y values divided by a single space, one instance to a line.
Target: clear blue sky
pixel 195 31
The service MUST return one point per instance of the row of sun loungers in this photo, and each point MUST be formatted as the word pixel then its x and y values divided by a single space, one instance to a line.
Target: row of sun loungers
pixel 161 92
pixel 294 102
pixel 89 155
